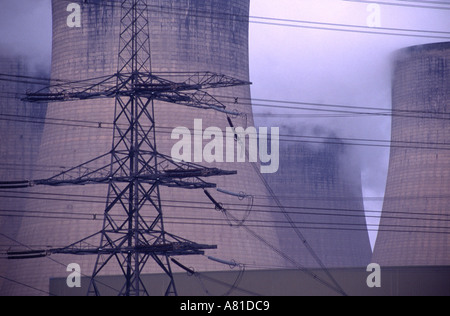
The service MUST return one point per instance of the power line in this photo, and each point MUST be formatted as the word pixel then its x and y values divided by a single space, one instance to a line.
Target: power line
pixel 251 101
pixel 93 216
pixel 283 255
pixel 305 211
pixel 295 210
pixel 304 139
pixel 289 219
pixel 53 260
pixel 307 224
pixel 350 30
pixel 284 137
pixel 317 278
pixel 259 237
pixel 331 108
pixel 288 22
pixel 427 2
pixel 286 257
pixel 422 5
pixel 340 142
pixel 232 287
pixel 390 113
pixel 26 285
pixel 343 109
pixel 294 198
pixel 328 109
pixel 211 279
pixel 400 229
pixel 310 211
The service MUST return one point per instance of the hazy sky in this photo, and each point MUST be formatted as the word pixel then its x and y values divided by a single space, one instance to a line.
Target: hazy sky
pixel 25 29
pixel 334 67
pixel 294 64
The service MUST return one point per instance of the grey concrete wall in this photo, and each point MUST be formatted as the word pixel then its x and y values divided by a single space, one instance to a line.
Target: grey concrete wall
pixel 320 187
pixel 417 193
pixel 20 135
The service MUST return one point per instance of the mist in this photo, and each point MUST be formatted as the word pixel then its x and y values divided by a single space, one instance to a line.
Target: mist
pixel 26 31
pixel 336 67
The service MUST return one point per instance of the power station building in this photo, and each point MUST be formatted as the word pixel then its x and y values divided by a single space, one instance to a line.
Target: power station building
pixel 415 227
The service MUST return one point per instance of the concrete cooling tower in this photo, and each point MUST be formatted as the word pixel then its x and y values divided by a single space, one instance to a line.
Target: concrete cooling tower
pixel 186 35
pixel 320 186
pixel 415 227
pixel 20 135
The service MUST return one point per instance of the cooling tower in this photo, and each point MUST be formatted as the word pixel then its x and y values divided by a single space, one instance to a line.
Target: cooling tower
pixel 20 134
pixel 320 187
pixel 186 35
pixel 414 227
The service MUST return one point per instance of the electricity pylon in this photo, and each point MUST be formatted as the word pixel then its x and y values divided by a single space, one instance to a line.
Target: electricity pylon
pixel 133 229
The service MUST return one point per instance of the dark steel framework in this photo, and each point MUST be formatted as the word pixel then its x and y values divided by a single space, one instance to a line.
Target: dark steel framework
pixel 136 169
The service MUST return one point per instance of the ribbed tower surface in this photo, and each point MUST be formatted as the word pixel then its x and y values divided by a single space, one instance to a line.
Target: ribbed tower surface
pixel 414 227
pixel 185 35
pixel 20 135
pixel 320 187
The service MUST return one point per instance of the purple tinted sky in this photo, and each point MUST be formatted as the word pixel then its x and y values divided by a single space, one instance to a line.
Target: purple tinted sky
pixel 323 66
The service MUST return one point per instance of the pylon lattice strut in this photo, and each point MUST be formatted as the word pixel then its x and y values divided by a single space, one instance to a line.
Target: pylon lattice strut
pixel 136 169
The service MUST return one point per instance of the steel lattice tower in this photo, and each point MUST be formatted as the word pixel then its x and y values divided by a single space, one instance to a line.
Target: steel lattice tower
pixel 133 230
